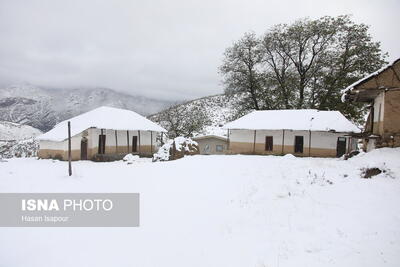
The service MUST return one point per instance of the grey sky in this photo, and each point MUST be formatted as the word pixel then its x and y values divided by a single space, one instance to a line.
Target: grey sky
pixel 164 49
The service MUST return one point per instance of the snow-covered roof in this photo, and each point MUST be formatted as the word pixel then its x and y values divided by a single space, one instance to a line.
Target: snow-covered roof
pixel 102 118
pixel 366 78
pixel 200 137
pixel 300 119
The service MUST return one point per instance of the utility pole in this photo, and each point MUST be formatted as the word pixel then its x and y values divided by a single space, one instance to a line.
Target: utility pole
pixel 69 149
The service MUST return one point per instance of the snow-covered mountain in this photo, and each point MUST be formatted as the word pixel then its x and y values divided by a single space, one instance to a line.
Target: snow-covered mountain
pixel 42 108
pixel 220 109
pixel 15 131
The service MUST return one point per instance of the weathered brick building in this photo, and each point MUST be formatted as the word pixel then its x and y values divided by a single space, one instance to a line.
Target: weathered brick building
pixel 381 90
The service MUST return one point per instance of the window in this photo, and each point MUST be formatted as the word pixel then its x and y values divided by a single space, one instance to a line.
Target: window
pixel 102 144
pixel 219 148
pixel 298 144
pixel 206 149
pixel 269 143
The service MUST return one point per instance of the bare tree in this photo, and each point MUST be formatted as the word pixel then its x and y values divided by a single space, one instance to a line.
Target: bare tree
pixel 301 65
pixel 242 70
pixel 182 120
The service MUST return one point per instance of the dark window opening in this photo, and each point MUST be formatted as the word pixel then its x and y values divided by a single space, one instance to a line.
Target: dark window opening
pixel 298 144
pixel 102 144
pixel 134 143
pixel 269 143
pixel 219 148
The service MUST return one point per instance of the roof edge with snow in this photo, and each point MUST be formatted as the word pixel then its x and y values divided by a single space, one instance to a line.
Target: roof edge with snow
pixel 372 75
pixel 301 120
pixel 102 118
pixel 201 137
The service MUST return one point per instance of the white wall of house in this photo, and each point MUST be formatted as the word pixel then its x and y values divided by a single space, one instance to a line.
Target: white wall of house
pixel 51 145
pixel 145 137
pixel 208 145
pixel 320 140
pixel 61 145
pixel 325 140
pixel 247 136
pixel 290 135
pixel 379 103
pixel 276 134
pixel 92 134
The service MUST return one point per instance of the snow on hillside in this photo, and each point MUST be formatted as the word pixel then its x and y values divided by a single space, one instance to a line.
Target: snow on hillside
pixel 17 140
pixel 219 108
pixel 15 131
pixel 19 148
pixel 42 108
pixel 260 211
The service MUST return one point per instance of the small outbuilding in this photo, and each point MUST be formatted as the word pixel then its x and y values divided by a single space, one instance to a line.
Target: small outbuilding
pixel 381 91
pixel 102 134
pixel 212 144
pixel 306 132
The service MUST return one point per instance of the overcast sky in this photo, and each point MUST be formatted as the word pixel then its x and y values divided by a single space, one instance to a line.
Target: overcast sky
pixel 164 49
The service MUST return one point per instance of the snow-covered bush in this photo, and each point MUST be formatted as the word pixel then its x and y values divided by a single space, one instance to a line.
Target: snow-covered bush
pixel 19 149
pixel 129 158
pixel 176 148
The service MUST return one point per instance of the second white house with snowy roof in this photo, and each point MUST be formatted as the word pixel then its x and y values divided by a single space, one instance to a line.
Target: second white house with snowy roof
pixel 103 134
pixel 299 132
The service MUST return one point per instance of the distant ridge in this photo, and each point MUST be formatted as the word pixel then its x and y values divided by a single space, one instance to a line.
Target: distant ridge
pixel 42 108
pixel 219 108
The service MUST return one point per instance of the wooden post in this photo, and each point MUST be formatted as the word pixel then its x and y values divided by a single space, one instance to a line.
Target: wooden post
pixel 309 143
pixel 127 139
pixel 372 112
pixel 349 144
pixel 139 141
pixel 116 142
pixel 151 143
pixel 162 138
pixel 283 141
pixel 69 149
pixel 100 145
pixel 229 141
pixel 254 143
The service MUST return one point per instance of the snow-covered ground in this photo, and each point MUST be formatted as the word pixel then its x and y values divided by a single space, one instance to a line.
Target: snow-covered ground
pixel 219 211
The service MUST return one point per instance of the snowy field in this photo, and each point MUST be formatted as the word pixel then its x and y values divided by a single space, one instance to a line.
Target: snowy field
pixel 259 211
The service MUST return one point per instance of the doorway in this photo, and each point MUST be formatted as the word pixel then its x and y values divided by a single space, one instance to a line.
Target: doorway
pixel 341 146
pixel 298 144
pixel 102 144
pixel 134 143
pixel 84 148
pixel 269 143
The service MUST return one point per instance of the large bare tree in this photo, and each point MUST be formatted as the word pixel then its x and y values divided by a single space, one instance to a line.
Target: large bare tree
pixel 301 65
pixel 242 70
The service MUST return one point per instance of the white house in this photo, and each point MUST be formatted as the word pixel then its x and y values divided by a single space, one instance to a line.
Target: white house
pixel 305 132
pixel 212 144
pixel 104 133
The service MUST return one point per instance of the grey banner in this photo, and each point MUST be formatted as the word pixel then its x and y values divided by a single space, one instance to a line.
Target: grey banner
pixel 69 209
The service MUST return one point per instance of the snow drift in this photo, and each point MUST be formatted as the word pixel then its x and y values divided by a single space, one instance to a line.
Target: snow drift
pixel 220 211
